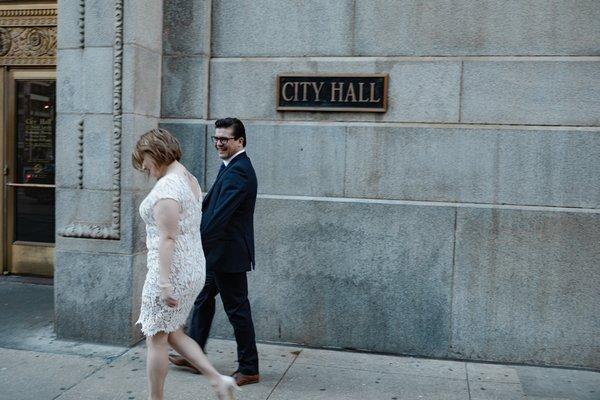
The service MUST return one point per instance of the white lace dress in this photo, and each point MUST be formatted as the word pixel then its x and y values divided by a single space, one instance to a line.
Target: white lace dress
pixel 188 268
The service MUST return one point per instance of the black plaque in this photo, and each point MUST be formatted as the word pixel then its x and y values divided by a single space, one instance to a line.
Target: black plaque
pixel 340 92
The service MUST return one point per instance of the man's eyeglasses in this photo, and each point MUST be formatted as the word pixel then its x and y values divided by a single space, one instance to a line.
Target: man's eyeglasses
pixel 221 139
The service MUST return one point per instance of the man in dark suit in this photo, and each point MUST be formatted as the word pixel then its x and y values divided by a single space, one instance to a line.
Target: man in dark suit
pixel 227 231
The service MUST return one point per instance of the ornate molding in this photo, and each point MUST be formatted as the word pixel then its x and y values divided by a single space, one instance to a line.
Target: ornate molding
pixel 28 37
pixel 117 117
pixel 34 17
pixel 110 230
pixel 80 155
pixel 37 12
pixel 31 42
pixel 87 230
pixel 81 24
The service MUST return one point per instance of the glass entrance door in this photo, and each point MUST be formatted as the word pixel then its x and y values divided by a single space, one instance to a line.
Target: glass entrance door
pixel 29 171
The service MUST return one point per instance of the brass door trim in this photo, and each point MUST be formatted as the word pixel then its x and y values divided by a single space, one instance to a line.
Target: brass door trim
pixel 32 244
pixel 32 263
pixel 31 185
pixel 23 24
pixel 3 164
pixel 32 73
pixel 10 245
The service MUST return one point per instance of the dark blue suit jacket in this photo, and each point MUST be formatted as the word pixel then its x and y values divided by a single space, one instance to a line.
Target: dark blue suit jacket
pixel 227 226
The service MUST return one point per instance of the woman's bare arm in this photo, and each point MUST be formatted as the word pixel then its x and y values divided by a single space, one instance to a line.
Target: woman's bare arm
pixel 166 215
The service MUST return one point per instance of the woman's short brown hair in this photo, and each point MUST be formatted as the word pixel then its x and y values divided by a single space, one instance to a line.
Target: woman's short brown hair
pixel 160 144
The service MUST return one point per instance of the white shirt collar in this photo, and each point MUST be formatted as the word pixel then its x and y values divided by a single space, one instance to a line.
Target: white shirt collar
pixel 228 160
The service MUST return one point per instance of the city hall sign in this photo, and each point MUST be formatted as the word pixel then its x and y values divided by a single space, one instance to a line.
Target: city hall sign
pixel 332 92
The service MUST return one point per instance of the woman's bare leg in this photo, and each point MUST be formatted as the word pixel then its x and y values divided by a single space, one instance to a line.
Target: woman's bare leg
pixel 191 351
pixel 157 364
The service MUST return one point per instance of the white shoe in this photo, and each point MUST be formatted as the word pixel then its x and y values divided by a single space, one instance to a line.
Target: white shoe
pixel 225 388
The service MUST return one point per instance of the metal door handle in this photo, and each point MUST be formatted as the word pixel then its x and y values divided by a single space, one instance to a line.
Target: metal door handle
pixel 31 185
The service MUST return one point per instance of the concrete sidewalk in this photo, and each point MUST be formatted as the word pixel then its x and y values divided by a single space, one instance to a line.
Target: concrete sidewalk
pixel 288 373
pixel 34 365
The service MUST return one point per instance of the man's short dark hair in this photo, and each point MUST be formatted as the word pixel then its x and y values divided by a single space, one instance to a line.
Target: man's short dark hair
pixel 238 128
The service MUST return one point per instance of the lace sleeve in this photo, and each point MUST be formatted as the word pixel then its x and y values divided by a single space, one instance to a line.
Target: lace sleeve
pixel 167 188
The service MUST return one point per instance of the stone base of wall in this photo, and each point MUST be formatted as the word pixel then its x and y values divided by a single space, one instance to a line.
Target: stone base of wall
pixel 98 296
pixel 506 285
pixel 454 279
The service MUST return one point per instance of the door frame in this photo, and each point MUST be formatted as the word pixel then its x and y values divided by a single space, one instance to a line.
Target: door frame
pixel 9 247
pixel 3 194
pixel 17 17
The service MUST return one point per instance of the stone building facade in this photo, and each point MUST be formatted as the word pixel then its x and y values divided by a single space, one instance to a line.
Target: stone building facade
pixel 462 223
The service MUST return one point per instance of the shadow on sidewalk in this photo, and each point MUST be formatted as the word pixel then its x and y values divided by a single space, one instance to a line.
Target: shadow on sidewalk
pixel 27 320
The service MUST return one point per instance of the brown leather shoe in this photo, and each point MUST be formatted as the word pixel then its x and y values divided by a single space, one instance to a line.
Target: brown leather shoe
pixel 182 362
pixel 241 379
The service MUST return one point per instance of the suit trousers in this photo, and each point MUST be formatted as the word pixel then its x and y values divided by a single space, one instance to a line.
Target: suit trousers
pixel 233 288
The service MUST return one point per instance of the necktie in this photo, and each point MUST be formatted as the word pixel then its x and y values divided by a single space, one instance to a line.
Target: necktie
pixel 221 170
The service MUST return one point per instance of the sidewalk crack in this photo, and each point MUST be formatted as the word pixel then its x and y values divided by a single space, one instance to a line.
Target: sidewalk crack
pixel 81 380
pixel 296 355
pixel 468 386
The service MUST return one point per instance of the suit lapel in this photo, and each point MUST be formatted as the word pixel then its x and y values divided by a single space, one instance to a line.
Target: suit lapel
pixel 205 201
pixel 222 172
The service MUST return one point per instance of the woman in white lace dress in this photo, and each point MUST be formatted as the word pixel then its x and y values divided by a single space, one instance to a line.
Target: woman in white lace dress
pixel 176 265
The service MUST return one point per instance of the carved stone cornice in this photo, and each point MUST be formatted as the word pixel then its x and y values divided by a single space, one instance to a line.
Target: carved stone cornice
pixel 35 17
pixel 28 37
pixel 34 12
